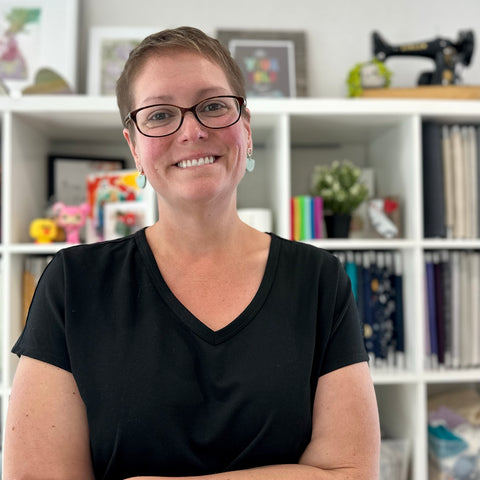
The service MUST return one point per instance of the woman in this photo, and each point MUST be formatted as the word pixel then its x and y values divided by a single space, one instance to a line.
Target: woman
pixel 198 347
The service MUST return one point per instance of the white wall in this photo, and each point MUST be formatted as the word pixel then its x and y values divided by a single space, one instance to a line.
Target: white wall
pixel 338 31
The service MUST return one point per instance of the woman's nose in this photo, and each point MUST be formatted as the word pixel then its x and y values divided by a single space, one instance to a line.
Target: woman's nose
pixel 191 128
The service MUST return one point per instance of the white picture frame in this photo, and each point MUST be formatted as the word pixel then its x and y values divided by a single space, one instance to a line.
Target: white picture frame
pixel 107 53
pixel 44 38
pixel 114 210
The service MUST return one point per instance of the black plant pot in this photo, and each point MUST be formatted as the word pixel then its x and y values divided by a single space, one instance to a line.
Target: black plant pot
pixel 338 225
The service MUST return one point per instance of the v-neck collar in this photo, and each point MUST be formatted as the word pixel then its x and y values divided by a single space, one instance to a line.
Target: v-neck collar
pixel 213 337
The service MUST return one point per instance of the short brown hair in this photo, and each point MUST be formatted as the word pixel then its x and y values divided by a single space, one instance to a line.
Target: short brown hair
pixel 182 38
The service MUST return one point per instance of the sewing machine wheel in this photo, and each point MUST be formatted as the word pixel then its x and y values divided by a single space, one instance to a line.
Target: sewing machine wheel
pixel 465 46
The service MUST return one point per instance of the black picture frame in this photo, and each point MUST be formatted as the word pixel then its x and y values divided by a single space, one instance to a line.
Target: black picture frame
pixel 297 39
pixel 67 176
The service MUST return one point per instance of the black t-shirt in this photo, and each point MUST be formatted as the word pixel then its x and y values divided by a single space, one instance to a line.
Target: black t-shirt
pixel 165 395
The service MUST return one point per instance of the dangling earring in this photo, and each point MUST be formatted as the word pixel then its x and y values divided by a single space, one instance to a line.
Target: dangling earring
pixel 141 179
pixel 250 161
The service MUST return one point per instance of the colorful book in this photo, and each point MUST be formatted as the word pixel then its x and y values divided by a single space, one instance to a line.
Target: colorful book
pixel 297 219
pixel 306 217
pixel 318 217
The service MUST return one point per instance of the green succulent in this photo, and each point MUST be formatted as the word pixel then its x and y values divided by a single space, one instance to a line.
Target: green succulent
pixel 340 186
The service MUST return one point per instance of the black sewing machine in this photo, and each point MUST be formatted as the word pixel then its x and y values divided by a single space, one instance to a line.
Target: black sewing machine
pixel 446 54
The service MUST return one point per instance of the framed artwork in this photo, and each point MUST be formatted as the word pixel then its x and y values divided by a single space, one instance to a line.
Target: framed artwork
pixel 38 46
pixel 115 187
pixel 108 51
pixel 67 176
pixel 273 62
pixel 123 218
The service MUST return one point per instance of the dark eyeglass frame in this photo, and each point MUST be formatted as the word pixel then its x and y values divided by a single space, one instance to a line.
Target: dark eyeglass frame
pixel 132 116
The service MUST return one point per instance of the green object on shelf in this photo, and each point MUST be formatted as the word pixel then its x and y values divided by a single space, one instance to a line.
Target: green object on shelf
pixel 363 73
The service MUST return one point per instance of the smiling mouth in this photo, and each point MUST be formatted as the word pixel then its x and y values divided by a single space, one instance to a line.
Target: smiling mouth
pixel 196 162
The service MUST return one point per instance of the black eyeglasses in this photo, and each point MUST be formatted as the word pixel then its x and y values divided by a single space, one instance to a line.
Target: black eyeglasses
pixel 163 119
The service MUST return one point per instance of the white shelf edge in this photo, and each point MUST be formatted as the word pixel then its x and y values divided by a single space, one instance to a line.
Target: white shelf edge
pixel 284 106
pixel 393 377
pixel 451 376
pixel 325 243
pixel 362 244
pixel 451 244
pixel 357 106
pixel 35 248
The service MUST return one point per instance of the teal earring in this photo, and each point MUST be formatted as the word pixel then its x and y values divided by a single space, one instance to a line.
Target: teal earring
pixel 250 161
pixel 141 179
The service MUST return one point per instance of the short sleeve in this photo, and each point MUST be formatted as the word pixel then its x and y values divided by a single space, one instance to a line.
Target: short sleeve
pixel 43 337
pixel 345 344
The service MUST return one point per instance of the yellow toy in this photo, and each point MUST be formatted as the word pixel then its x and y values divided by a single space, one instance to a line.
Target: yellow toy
pixel 44 230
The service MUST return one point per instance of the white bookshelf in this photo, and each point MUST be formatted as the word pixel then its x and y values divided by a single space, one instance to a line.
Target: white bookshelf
pixel 290 137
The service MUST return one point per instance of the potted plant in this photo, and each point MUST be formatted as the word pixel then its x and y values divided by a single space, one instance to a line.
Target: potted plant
pixel 342 191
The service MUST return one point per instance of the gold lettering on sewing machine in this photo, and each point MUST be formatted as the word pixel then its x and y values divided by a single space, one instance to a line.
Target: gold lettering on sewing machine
pixel 414 47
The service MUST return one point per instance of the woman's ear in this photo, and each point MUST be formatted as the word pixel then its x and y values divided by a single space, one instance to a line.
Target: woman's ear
pixel 131 143
pixel 246 122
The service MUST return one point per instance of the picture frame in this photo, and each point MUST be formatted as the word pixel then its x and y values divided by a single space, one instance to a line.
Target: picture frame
pixel 67 176
pixel 32 59
pixel 108 51
pixel 273 62
pixel 116 187
pixel 123 218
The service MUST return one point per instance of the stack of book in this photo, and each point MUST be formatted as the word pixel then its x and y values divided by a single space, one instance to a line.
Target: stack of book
pixel 377 284
pixel 452 317
pixel 451 179
pixel 306 215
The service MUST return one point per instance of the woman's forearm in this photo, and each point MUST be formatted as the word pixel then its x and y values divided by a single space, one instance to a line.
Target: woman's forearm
pixel 273 472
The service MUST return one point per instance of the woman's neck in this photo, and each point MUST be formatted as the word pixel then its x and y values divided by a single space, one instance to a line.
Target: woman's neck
pixel 196 231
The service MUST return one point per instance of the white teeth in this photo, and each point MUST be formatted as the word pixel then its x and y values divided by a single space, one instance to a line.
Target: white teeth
pixel 195 162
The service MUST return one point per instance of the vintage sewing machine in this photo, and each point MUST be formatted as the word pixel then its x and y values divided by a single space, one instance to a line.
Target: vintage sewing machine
pixel 447 55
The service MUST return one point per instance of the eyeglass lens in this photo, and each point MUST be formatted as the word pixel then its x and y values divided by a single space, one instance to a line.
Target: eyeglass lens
pixel 162 120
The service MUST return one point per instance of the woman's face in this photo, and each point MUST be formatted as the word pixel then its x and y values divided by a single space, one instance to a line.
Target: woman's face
pixel 184 79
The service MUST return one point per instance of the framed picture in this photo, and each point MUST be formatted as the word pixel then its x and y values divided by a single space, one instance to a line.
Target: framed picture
pixel 115 187
pixel 108 51
pixel 67 176
pixel 38 46
pixel 123 218
pixel 273 62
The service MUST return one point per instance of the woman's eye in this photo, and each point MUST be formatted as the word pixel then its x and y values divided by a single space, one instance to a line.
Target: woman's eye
pixel 214 107
pixel 159 116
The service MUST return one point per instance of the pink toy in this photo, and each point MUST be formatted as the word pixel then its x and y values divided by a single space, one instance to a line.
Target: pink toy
pixel 71 218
